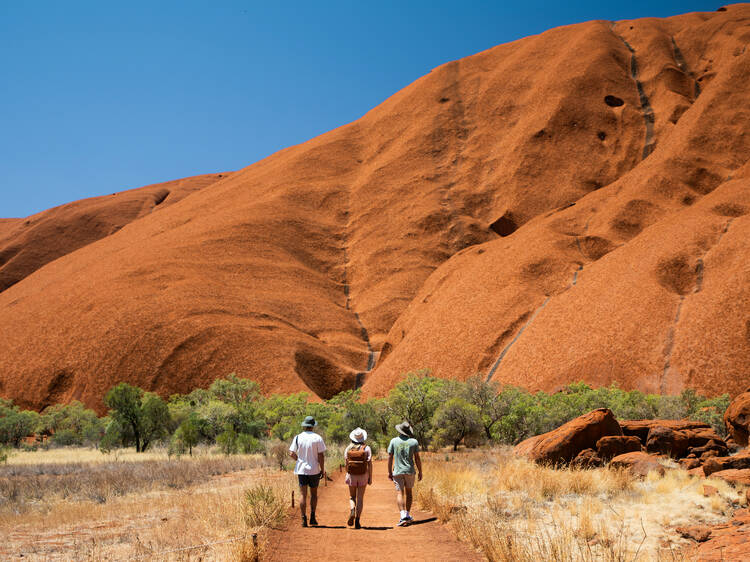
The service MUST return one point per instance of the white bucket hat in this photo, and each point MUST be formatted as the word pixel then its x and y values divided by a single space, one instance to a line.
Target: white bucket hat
pixel 358 435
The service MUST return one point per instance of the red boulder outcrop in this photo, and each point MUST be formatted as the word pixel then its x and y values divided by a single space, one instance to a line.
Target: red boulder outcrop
pixel 638 463
pixel 665 441
pixel 737 417
pixel 614 445
pixel 716 464
pixel 563 444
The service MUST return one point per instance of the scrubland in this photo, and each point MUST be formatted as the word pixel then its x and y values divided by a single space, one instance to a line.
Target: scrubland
pixel 513 510
pixel 70 504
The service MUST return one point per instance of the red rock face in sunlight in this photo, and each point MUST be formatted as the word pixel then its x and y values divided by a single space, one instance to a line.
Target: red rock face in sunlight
pixel 570 206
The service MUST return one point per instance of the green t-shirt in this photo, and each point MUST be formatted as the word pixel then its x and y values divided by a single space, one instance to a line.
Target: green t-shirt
pixel 403 449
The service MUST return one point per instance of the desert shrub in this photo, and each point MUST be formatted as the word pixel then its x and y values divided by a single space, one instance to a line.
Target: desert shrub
pixel 264 507
pixel 279 452
pixel 73 424
pixel 16 424
pixel 248 444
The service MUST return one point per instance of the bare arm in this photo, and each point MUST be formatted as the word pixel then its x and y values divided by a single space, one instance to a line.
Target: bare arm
pixel 418 462
pixel 293 455
pixel 369 472
pixel 322 463
pixel 390 466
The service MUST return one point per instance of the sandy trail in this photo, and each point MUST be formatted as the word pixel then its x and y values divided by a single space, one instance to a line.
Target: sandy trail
pixel 379 538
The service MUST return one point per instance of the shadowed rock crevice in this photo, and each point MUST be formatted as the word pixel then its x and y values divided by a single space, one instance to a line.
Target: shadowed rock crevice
pixel 505 225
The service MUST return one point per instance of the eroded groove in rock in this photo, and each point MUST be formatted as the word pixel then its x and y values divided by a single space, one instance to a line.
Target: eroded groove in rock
pixel 697 287
pixel 364 335
pixel 682 65
pixel 648 111
pixel 506 349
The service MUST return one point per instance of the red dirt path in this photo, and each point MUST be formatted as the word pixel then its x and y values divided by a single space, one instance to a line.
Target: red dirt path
pixel 379 538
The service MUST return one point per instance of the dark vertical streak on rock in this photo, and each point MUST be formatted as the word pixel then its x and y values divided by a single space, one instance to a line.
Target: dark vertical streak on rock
pixel 648 111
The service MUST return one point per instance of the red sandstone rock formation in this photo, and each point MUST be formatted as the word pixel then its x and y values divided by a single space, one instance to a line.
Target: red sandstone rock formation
pixel 737 418
pixel 563 444
pixel 570 206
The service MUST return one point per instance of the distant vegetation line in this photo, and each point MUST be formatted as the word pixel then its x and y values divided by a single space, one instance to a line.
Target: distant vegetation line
pixel 233 415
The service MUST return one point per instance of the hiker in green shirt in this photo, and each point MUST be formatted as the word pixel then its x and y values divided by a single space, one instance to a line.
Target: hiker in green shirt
pixel 403 455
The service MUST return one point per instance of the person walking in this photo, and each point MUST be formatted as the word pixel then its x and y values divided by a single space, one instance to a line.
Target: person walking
pixel 358 457
pixel 307 449
pixel 403 456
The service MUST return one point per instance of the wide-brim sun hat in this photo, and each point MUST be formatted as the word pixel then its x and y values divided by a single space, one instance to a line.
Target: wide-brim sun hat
pixel 358 435
pixel 309 422
pixel 405 429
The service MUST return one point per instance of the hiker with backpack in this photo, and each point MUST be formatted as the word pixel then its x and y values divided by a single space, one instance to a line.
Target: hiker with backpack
pixel 403 455
pixel 307 449
pixel 358 473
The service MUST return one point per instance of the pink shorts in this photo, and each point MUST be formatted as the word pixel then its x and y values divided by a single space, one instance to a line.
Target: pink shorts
pixel 356 480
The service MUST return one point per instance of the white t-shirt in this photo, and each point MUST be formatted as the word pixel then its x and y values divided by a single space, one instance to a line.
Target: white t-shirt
pixel 307 445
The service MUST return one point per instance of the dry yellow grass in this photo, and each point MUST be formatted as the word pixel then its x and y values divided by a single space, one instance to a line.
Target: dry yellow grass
pixel 514 510
pixel 206 520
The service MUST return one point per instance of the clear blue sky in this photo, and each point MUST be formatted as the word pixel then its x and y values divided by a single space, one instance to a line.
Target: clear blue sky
pixel 100 96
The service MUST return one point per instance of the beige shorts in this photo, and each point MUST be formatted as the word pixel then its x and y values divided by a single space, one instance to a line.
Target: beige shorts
pixel 403 481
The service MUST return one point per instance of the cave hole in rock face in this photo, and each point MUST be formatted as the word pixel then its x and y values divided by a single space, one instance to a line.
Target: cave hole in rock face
pixel 613 101
pixel 505 225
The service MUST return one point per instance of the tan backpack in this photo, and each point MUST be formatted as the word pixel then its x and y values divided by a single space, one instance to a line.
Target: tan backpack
pixel 356 460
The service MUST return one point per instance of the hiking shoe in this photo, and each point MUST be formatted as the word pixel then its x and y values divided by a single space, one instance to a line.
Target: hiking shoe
pixel 404 522
pixel 351 518
pixel 304 521
pixel 313 521
pixel 357 525
pixel 409 518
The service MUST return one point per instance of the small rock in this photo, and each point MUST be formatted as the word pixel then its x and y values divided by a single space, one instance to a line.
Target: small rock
pixel 709 491
pixel 699 533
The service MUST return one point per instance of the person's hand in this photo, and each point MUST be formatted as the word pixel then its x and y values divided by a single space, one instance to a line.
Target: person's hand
pixel 369 482
pixel 419 476
pixel 390 476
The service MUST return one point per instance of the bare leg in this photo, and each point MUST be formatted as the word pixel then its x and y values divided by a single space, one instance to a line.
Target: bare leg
pixel 313 500
pixel 360 500
pixel 302 499
pixel 408 499
pixel 352 498
pixel 400 500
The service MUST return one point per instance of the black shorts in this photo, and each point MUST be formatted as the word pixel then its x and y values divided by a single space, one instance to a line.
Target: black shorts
pixel 311 480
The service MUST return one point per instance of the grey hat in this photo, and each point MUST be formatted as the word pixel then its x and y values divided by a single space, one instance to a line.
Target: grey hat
pixel 405 429
pixel 309 422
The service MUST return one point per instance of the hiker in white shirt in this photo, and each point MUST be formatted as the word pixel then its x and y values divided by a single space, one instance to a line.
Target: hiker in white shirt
pixel 307 449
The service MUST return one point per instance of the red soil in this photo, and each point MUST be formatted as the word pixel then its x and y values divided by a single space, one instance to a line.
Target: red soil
pixel 379 539
pixel 538 212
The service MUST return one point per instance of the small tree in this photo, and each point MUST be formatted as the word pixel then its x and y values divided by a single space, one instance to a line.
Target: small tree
pixel 455 421
pixel 188 433
pixel 415 400
pixel 141 414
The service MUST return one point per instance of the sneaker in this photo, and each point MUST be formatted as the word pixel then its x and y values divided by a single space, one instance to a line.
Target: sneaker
pixel 357 525
pixel 313 521
pixel 351 518
pixel 409 518
pixel 304 521
pixel 403 522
